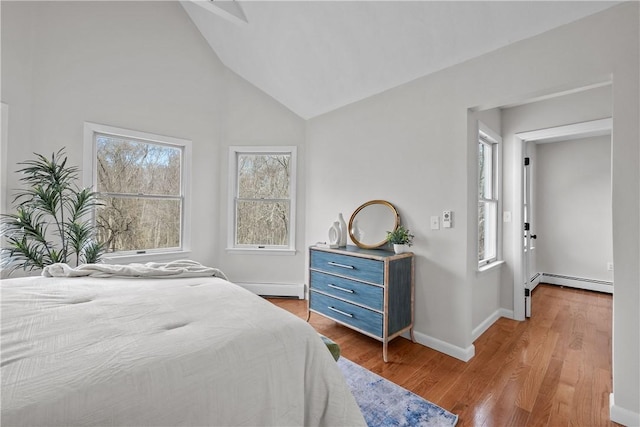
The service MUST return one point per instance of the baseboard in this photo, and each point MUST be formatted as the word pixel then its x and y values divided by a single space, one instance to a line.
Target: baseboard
pixel 578 282
pixel 464 354
pixel 274 289
pixel 621 415
pixel 535 280
pixel 486 323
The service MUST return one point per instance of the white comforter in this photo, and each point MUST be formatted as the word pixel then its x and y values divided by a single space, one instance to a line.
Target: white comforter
pixel 152 352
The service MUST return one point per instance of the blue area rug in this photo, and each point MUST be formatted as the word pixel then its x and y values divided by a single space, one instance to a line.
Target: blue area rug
pixel 384 403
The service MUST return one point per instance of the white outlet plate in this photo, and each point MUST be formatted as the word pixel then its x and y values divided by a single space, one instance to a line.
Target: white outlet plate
pixel 435 222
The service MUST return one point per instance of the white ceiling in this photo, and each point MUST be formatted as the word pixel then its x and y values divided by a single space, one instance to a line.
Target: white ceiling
pixel 316 56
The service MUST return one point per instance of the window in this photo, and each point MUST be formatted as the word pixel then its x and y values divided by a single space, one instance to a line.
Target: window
pixel 262 198
pixel 488 195
pixel 141 181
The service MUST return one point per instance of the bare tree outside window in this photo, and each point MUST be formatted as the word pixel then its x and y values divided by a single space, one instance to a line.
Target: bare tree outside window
pixel 139 183
pixel 263 202
pixel 487 200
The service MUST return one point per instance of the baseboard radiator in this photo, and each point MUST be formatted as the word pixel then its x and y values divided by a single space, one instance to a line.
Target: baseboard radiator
pixel 283 290
pixel 535 280
pixel 577 282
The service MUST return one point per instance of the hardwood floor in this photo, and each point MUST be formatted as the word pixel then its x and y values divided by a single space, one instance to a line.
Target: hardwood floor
pixel 551 370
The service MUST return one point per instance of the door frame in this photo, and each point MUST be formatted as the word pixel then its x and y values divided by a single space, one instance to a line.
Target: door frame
pixel 575 130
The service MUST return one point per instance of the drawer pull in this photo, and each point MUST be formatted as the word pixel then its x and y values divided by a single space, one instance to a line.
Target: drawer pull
pixel 340 311
pixel 340 289
pixel 335 264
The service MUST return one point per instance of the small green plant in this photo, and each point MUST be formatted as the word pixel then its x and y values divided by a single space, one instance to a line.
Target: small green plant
pixel 53 221
pixel 400 236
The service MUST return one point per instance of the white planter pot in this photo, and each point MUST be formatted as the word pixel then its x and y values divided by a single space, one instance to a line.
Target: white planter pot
pixel 399 249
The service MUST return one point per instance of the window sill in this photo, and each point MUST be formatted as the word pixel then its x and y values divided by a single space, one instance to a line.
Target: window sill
pixel 147 257
pixel 263 251
pixel 490 266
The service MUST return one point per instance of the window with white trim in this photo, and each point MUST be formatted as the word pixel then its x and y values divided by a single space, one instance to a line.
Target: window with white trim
pixel 141 181
pixel 262 198
pixel 488 195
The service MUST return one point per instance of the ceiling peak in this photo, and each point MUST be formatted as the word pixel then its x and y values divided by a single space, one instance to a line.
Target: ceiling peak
pixel 230 10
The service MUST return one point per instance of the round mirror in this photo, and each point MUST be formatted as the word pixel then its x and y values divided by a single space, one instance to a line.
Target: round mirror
pixel 369 224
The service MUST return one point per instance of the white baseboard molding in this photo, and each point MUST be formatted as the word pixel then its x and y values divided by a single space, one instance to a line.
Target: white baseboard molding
pixel 464 354
pixel 486 323
pixel 274 289
pixel 621 415
pixel 578 282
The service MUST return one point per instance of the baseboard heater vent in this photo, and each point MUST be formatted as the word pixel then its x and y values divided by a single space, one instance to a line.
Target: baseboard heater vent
pixel 578 282
pixel 275 289
pixel 581 279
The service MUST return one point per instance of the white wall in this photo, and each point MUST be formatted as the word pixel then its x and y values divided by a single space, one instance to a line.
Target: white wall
pixel 573 208
pixel 18 36
pixel 411 146
pixel 398 146
pixel 142 66
pixel 253 118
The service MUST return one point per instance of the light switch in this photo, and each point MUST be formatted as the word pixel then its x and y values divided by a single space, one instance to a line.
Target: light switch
pixel 435 222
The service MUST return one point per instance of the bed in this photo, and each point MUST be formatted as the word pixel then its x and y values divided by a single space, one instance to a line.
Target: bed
pixel 192 351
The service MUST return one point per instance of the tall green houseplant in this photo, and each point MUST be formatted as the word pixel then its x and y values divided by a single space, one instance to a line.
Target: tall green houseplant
pixel 53 221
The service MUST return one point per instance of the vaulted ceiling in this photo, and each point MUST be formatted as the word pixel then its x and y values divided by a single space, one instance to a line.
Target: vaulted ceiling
pixel 316 56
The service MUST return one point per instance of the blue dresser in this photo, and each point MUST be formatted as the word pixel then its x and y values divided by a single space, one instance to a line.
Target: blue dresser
pixel 369 290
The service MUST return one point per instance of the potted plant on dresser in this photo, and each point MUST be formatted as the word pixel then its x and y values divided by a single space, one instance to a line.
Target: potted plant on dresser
pixel 400 238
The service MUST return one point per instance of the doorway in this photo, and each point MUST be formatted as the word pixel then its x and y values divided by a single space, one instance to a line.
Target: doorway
pixel 529 273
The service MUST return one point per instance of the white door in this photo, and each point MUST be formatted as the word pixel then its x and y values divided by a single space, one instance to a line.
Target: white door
pixel 529 238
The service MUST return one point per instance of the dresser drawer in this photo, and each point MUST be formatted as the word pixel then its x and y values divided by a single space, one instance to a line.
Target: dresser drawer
pixel 358 317
pixel 367 270
pixel 350 290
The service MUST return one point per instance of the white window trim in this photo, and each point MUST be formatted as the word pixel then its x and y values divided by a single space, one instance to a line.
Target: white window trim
pixel 234 150
pixel 488 267
pixel 89 177
pixel 496 139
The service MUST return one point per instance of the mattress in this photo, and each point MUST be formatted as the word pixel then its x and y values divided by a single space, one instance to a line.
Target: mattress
pixel 161 352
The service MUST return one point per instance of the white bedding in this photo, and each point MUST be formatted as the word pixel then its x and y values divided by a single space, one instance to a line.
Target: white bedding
pixel 173 269
pixel 152 352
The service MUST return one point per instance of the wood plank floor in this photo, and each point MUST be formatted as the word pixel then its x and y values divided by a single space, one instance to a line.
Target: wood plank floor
pixel 551 370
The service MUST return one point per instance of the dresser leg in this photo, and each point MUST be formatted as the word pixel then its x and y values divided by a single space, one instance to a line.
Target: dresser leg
pixel 413 339
pixel 308 315
pixel 384 351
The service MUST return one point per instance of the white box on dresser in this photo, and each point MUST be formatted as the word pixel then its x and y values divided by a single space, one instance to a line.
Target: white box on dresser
pixel 368 290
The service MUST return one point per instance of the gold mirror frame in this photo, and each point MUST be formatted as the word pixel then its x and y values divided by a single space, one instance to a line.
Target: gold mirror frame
pixel 352 220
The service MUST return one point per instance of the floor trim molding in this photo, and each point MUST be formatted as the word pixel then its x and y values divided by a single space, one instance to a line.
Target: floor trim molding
pixel 464 354
pixel 621 415
pixel 486 323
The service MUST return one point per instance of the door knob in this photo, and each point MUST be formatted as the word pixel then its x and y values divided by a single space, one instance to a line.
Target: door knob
pixel 534 236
